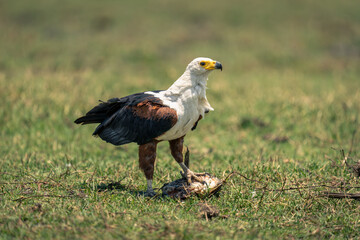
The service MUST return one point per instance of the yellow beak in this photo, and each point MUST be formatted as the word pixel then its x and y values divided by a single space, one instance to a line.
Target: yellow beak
pixel 213 65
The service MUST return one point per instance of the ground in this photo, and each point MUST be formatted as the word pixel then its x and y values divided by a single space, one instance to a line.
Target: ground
pixel 286 105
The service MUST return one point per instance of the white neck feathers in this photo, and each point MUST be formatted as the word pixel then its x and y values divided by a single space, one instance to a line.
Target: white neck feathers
pixel 189 81
pixel 189 88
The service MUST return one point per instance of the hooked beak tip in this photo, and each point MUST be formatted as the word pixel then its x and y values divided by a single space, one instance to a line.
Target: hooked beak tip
pixel 218 66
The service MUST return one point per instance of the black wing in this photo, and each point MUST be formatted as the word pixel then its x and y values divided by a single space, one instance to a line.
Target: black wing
pixel 136 118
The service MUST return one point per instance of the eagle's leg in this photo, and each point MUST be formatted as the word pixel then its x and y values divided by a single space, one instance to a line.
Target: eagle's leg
pixel 176 147
pixel 147 156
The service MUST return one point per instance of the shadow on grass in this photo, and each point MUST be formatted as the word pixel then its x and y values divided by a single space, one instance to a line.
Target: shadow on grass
pixel 115 187
pixel 111 186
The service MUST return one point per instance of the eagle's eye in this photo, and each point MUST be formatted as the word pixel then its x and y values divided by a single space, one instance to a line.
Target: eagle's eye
pixel 202 63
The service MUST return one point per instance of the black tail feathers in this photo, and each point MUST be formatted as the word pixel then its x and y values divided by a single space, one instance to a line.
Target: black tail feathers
pixel 100 112
pixel 88 119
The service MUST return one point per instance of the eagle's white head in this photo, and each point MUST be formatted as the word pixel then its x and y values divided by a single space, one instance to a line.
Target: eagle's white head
pixel 202 65
pixel 195 76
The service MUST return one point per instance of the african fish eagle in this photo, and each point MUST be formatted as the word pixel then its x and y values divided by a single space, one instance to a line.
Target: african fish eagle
pixel 150 117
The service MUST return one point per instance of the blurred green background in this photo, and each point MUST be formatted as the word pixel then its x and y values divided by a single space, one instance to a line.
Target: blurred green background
pixel 289 92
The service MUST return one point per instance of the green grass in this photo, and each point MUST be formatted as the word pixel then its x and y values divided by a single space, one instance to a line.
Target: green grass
pixel 285 105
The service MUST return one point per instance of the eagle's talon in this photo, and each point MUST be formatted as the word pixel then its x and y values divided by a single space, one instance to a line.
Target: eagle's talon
pixel 188 179
pixel 190 174
pixel 150 194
